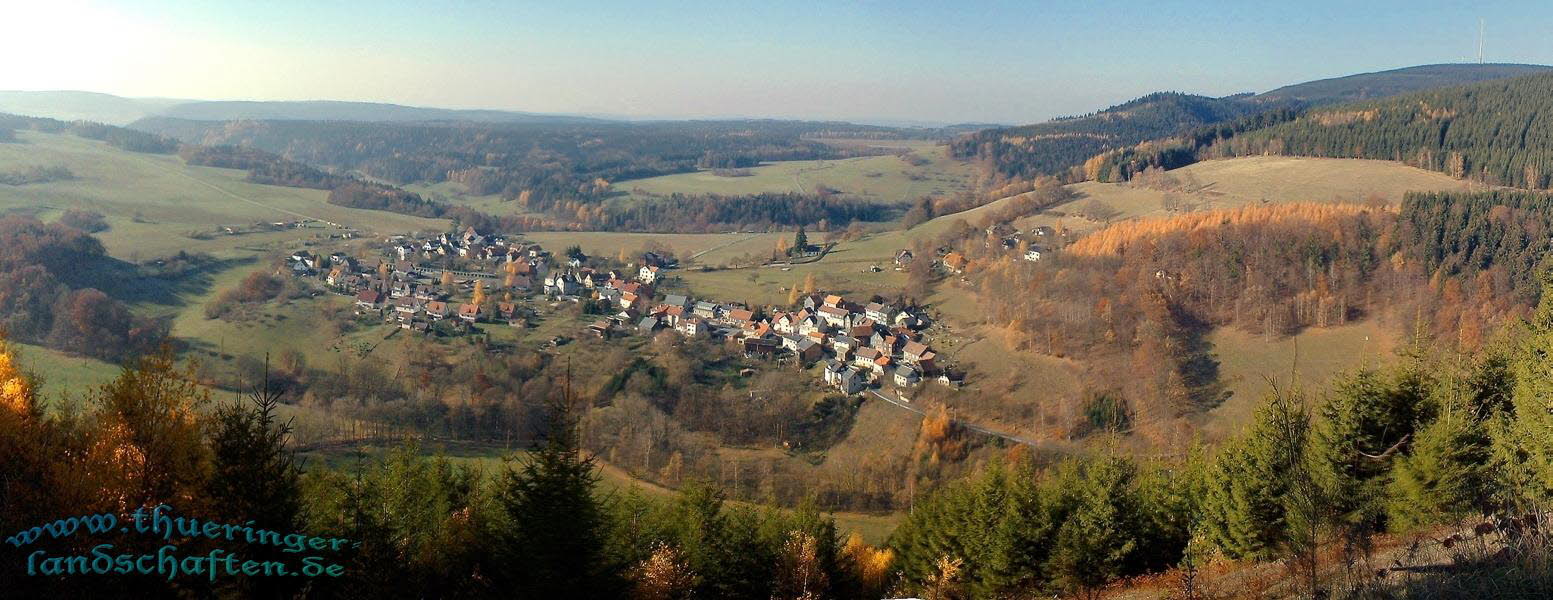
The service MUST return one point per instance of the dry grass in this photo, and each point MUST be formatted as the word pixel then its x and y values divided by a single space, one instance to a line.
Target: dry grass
pixel 1248 363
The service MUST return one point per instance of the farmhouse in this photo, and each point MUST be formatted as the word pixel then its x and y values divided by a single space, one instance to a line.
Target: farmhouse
pixel 834 316
pixel 369 299
pixel 955 262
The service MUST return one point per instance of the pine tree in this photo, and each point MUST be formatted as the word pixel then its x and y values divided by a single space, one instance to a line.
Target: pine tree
pixel 1444 476
pixel 1247 502
pixel 254 476
pixel 1100 538
pixel 554 540
pixel 800 242
pixel 1364 423
pixel 1524 444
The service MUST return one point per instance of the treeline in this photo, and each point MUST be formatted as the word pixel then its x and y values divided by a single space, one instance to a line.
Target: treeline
pixel 118 137
pixel 358 194
pixel 1026 197
pixel 1122 164
pixel 712 212
pixel 538 527
pixel 263 167
pixel 544 159
pixel 36 174
pixel 1496 132
pixel 38 265
pixel 1053 148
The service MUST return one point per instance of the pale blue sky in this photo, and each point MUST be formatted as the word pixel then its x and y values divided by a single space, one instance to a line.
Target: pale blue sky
pixel 931 61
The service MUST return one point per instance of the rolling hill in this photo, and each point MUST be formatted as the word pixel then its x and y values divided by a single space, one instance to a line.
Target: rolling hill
pixel 1054 147
pixel 83 106
pixel 1499 132
pixel 1381 84
pixel 328 110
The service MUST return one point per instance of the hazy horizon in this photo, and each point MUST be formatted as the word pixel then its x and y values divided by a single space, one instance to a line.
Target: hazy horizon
pixel 863 62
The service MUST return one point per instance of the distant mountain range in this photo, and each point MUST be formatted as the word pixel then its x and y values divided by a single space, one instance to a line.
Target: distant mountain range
pixel 83 106
pixel 116 110
pixel 1060 145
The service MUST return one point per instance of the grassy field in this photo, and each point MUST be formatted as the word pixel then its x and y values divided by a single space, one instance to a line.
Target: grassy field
pixel 1238 182
pixel 153 202
pixel 1249 364
pixel 65 378
pixel 889 179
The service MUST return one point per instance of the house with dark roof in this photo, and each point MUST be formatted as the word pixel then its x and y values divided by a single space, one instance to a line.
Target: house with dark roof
pixel 369 299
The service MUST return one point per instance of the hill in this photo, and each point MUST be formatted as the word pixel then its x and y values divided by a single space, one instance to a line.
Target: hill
pixel 1056 147
pixel 330 110
pixel 1498 132
pixel 1381 84
pixel 82 106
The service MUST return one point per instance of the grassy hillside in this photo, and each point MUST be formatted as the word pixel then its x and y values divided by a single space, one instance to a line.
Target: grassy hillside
pixel 1056 146
pixel 153 203
pixel 888 179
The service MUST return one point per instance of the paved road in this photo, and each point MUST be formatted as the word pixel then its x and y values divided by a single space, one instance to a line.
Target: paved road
pixel 971 426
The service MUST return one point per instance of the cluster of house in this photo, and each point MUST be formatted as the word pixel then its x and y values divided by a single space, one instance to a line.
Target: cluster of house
pixel 1037 241
pixel 631 290
pixel 417 306
pixel 417 297
pixel 859 344
pixel 468 244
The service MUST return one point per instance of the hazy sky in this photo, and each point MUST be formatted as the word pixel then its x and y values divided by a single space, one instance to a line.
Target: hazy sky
pixel 935 61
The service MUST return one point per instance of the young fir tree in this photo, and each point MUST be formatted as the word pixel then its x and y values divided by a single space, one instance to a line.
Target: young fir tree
pixel 255 477
pixel 553 544
pixel 1523 445
pixel 1443 478
pixel 1102 538
pixel 1246 505
pixel 1365 423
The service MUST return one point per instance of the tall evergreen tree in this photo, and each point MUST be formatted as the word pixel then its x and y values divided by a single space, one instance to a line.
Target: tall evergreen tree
pixel 255 477
pixel 553 544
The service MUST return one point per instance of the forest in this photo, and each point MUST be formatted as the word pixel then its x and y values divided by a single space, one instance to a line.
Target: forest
pixel 1054 147
pixel 118 137
pixel 1496 132
pixel 45 299
pixel 542 159
pixel 1136 298
pixel 1170 130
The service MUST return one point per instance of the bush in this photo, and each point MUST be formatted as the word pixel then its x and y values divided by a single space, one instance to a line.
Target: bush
pixel 84 220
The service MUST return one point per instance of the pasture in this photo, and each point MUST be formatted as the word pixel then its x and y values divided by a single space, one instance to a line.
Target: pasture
pixel 154 203
pixel 886 179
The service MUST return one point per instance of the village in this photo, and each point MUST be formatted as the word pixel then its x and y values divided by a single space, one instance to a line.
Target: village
pixel 447 284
